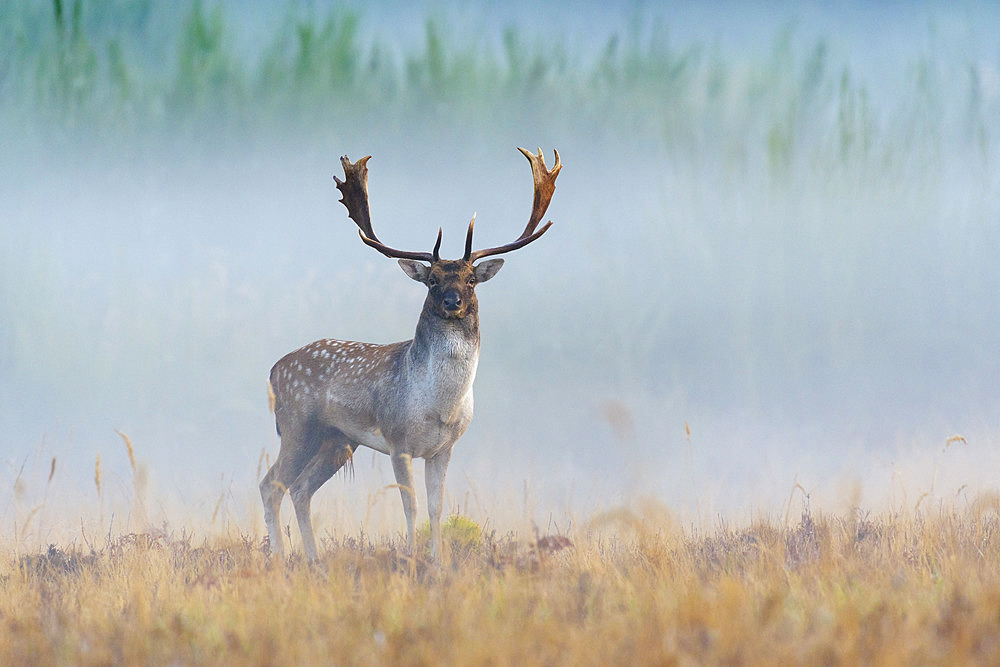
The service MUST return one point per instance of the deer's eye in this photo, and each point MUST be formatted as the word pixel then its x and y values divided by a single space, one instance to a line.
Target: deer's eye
pixel 472 281
pixel 432 282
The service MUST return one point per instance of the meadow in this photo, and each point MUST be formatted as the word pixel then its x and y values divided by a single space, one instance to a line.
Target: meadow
pixel 739 406
pixel 631 586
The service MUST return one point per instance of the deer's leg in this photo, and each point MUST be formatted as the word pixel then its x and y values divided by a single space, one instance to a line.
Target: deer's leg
pixel 296 451
pixel 402 466
pixel 434 472
pixel 272 492
pixel 333 453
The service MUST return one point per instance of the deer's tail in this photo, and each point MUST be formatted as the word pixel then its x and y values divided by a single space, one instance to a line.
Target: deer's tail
pixel 272 401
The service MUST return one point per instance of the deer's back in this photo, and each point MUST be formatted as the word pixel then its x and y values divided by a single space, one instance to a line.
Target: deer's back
pixel 335 382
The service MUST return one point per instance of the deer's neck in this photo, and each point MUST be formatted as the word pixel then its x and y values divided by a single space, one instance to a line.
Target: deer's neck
pixel 444 350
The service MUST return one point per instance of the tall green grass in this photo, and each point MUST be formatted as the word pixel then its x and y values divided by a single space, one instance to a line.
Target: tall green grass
pixel 128 69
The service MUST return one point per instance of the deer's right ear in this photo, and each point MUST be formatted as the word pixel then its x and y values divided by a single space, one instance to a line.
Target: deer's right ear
pixel 415 269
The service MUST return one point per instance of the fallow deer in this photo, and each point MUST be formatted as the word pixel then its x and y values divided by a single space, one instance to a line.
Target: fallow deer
pixel 408 400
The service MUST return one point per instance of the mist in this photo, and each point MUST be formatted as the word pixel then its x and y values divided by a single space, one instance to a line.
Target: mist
pixel 771 278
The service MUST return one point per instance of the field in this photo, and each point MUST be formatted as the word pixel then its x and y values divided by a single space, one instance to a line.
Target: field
pixel 630 587
pixel 739 406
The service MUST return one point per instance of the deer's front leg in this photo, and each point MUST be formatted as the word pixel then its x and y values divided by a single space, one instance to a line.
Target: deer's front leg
pixel 402 466
pixel 434 472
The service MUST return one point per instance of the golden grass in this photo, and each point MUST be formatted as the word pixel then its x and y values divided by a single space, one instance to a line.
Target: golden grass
pixel 630 587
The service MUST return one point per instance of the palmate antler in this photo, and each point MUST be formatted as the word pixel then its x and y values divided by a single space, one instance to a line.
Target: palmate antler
pixel 545 185
pixel 354 189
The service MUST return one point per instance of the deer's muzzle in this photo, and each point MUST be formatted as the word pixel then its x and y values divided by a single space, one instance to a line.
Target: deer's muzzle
pixel 451 300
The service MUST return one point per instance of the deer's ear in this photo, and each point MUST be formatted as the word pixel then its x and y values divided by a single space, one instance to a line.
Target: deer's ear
pixel 415 269
pixel 488 269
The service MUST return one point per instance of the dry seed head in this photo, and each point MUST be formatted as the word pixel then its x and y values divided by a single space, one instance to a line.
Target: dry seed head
pixel 97 475
pixel 128 445
pixel 952 440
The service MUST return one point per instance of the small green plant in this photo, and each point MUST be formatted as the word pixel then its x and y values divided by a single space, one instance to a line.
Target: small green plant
pixel 461 531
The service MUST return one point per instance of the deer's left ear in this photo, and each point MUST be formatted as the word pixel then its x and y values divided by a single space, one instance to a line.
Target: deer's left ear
pixel 415 269
pixel 488 269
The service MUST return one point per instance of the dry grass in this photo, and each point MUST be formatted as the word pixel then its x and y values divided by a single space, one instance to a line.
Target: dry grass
pixel 630 587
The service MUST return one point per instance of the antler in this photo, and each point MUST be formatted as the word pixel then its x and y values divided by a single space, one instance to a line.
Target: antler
pixel 545 185
pixel 354 189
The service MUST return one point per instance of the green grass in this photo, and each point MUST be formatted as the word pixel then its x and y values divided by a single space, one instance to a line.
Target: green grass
pixel 125 70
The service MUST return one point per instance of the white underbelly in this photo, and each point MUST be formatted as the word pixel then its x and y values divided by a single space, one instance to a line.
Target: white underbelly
pixel 373 440
pixel 424 431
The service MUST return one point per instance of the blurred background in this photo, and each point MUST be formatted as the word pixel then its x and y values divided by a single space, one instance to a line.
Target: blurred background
pixel 772 278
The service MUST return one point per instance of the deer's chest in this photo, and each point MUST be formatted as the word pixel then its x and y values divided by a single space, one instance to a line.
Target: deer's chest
pixel 437 405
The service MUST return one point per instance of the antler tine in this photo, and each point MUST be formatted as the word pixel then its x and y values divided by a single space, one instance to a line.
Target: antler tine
pixel 545 184
pixel 436 255
pixel 354 189
pixel 468 239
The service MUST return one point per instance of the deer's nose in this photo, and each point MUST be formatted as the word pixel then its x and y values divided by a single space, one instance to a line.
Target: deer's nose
pixel 452 300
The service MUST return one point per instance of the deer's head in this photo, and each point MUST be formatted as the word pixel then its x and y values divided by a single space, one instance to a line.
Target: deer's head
pixel 450 283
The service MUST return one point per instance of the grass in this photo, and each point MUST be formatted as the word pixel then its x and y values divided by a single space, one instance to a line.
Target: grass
pixel 631 586
pixel 125 71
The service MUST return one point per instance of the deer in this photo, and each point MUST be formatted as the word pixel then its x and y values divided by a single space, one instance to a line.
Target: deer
pixel 408 400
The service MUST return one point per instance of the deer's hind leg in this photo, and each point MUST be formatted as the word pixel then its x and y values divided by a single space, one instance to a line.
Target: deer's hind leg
pixel 334 451
pixel 297 450
pixel 271 493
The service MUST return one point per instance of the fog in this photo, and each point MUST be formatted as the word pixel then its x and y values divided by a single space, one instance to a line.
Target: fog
pixel 778 287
